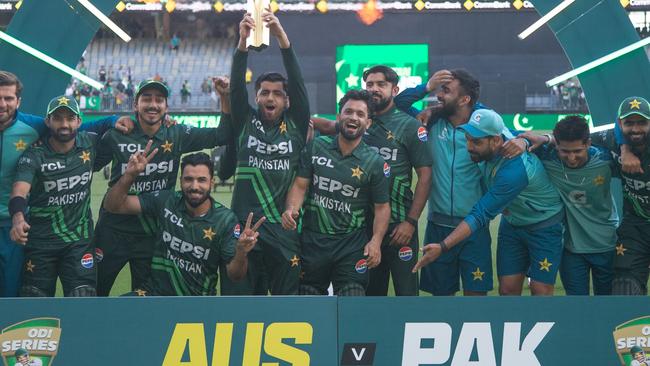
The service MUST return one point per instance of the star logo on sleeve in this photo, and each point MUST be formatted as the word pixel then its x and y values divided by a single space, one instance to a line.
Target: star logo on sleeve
pixel 29 267
pixel 63 101
pixel 478 275
pixel 167 146
pixel 283 127
pixel 357 172
pixel 545 265
pixel 208 233
pixel 295 261
pixel 599 180
pixel 620 250
pixel 635 104
pixel 20 145
pixel 85 156
pixel 389 135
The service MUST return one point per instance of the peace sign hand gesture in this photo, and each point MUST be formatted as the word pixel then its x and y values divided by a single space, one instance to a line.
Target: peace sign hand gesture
pixel 248 238
pixel 138 161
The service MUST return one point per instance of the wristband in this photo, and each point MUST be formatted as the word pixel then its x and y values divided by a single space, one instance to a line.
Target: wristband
pixel 411 221
pixel 17 204
pixel 443 246
pixel 548 136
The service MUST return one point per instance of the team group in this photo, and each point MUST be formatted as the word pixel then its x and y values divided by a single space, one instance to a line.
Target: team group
pixel 319 202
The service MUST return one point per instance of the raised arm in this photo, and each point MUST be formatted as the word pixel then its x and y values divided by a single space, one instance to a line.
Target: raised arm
pixel 117 199
pixel 241 110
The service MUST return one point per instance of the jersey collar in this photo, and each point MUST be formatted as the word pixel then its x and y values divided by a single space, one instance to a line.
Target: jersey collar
pixel 334 145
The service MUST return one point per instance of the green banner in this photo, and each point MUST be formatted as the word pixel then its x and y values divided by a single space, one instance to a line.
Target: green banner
pixel 410 61
pixel 536 122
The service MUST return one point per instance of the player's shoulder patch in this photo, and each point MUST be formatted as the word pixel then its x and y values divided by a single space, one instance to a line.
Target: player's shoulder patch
pixel 236 231
pixel 422 134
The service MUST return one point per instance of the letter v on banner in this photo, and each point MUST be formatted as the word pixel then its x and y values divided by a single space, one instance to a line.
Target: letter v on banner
pixel 358 354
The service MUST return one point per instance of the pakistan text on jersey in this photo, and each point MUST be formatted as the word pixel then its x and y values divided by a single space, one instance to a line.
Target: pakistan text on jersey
pixel 636 197
pixel 156 185
pixel 332 204
pixel 185 264
pixel 67 199
pixel 275 164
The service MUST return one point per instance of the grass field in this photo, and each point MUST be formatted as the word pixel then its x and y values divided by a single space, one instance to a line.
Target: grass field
pixel 223 195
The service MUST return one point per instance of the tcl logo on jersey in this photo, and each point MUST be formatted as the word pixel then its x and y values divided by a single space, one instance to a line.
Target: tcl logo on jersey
pixel 182 246
pixel 188 344
pixel 160 168
pixel 178 221
pixel 386 153
pixel 323 161
pixel 422 134
pixel 333 185
pixel 264 148
pixel 51 167
pixel 132 148
pixel 66 183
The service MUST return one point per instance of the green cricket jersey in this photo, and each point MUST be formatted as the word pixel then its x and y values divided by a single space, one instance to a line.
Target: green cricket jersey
pixel 343 188
pixel 636 187
pixel 401 140
pixel 59 199
pixel 161 173
pixel 188 250
pixel 591 218
pixel 267 154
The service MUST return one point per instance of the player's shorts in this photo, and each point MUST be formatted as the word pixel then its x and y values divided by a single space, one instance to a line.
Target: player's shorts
pixel 470 260
pixel 273 265
pixel 633 250
pixel 114 249
pixel 398 261
pixel 73 263
pixel 531 250
pixel 336 259
pixel 11 262
pixel 575 269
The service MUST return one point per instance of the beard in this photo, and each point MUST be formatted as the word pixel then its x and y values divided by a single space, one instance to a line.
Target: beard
pixel 63 137
pixel 144 117
pixel 380 103
pixel 350 135
pixel 195 202
pixel 638 139
pixel 445 111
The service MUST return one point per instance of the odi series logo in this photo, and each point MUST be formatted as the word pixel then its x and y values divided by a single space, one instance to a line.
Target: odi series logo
pixel 632 340
pixel 33 342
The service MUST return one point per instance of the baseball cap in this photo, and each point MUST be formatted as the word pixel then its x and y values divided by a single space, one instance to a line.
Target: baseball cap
pixel 484 123
pixel 634 105
pixel 63 102
pixel 153 84
pixel 20 352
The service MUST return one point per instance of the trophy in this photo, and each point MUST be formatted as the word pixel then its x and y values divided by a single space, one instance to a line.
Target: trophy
pixel 259 38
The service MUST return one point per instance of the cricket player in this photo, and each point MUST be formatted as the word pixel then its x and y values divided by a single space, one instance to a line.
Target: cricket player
pixel 54 181
pixel 24 359
pixel 120 238
pixel 633 247
pixel 582 174
pixel 18 131
pixel 402 142
pixel 530 234
pixel 269 140
pixel 344 181
pixel 196 235
pixel 638 357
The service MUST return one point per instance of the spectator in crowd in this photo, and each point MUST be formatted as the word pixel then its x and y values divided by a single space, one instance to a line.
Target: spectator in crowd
pixel 206 86
pixel 186 92
pixel 102 74
pixel 175 43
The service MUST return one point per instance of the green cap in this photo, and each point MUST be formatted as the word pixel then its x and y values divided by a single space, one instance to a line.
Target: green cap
pixel 484 123
pixel 633 350
pixel 20 352
pixel 152 84
pixel 634 105
pixel 63 102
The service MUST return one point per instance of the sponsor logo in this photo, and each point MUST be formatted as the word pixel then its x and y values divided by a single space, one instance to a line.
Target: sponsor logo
pixel 361 266
pixel 87 260
pixel 422 134
pixel 285 147
pixel 99 254
pixel 632 341
pixel 405 254
pixel 281 341
pixel 236 231
pixel 67 183
pixel 362 354
pixel 386 170
pixel 179 245
pixel 31 340
pixel 386 153
pixel 333 185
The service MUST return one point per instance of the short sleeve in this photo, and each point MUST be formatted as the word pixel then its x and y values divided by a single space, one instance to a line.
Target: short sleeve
pixel 305 166
pixel 417 148
pixel 151 203
pixel 230 234
pixel 379 182
pixel 27 167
